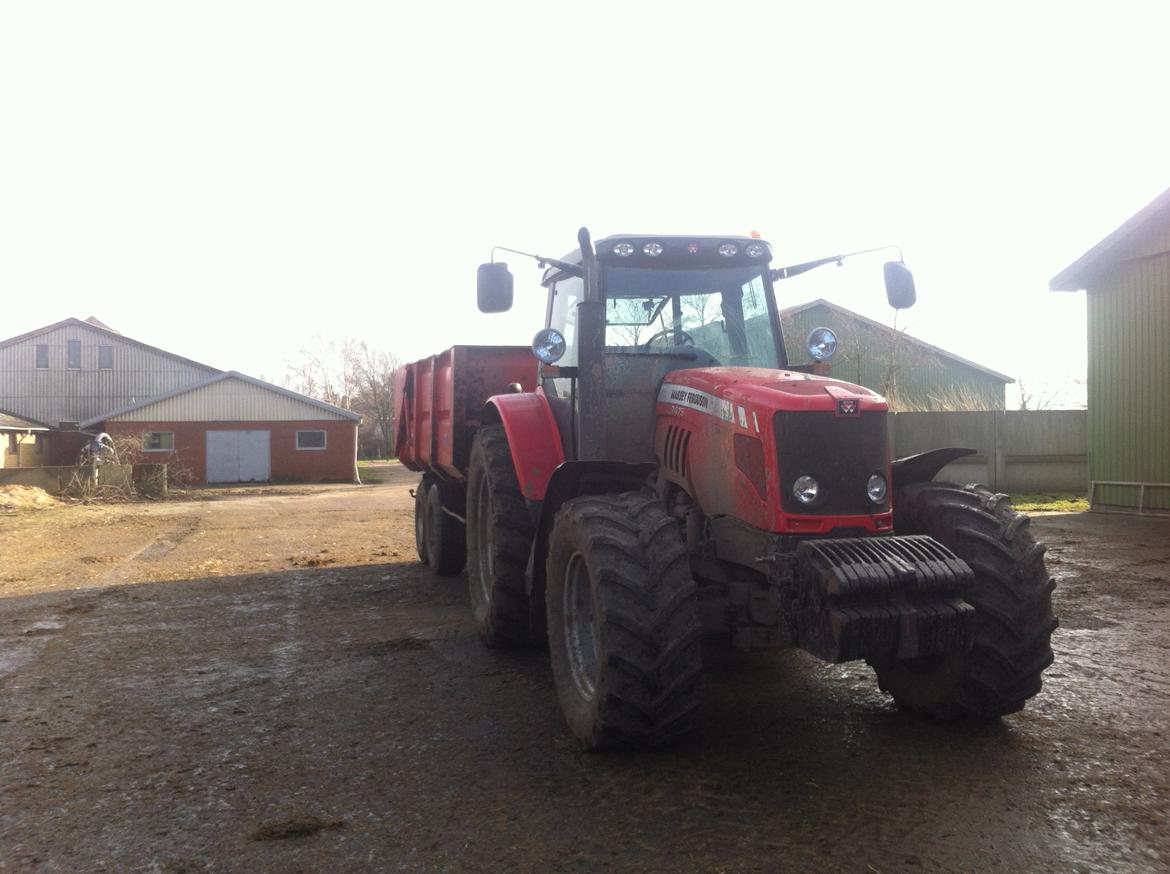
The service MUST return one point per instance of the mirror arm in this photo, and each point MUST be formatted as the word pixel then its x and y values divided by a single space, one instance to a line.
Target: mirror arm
pixel 797 269
pixel 542 261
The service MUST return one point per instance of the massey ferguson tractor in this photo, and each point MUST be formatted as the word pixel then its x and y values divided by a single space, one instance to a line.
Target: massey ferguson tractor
pixel 660 472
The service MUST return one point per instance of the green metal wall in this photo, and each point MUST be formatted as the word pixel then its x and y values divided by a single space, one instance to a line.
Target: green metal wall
pixel 1129 375
pixel 925 379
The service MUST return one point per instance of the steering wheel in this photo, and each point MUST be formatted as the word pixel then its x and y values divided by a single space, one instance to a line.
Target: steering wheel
pixel 682 337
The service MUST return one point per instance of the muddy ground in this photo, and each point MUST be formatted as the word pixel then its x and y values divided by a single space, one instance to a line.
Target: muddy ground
pixel 270 682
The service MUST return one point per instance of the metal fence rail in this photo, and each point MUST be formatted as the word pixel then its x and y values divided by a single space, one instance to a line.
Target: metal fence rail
pixel 1141 487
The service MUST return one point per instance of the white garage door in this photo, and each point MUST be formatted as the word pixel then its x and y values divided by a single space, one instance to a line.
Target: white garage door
pixel 238 456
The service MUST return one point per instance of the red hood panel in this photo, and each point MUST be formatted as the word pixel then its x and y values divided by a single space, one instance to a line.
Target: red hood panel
pixel 775 389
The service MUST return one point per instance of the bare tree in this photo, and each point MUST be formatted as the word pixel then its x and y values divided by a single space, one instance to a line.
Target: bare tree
pixel 371 373
pixel 1050 396
pixel 628 321
pixel 352 375
pixel 320 372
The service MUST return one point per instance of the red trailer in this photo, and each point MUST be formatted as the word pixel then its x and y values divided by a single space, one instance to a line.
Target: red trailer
pixel 440 401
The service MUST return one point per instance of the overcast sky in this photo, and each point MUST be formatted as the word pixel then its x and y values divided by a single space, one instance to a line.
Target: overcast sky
pixel 227 180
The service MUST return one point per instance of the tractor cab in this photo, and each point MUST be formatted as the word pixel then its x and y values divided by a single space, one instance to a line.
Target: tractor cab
pixel 669 304
pixel 627 311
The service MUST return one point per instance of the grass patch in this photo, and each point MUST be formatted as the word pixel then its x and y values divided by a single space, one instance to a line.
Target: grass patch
pixel 1061 502
pixel 372 470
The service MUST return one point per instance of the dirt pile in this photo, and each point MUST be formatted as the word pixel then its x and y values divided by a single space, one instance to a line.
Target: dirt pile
pixel 26 498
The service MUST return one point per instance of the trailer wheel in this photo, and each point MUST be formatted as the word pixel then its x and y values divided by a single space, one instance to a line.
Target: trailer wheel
pixel 499 538
pixel 623 625
pixel 446 549
pixel 1012 597
pixel 420 519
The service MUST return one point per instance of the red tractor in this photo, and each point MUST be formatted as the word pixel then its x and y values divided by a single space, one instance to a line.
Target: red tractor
pixel 661 473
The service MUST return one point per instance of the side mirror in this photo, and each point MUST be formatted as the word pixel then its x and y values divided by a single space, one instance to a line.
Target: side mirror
pixel 493 288
pixel 899 285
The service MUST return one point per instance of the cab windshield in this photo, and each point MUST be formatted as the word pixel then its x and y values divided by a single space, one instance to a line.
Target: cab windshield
pixel 722 311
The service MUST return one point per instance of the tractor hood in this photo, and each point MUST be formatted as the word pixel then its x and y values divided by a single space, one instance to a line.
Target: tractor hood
pixel 733 393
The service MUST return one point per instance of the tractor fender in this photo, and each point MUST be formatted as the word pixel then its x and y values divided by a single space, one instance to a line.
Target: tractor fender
pixel 571 480
pixel 924 466
pixel 533 438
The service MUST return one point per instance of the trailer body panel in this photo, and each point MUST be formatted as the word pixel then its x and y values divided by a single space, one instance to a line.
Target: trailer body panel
pixel 440 401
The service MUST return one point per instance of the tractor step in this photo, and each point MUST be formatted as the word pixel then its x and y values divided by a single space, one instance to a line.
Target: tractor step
pixel 880 597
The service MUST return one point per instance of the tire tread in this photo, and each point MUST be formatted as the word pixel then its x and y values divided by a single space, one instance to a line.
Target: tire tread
pixel 1012 596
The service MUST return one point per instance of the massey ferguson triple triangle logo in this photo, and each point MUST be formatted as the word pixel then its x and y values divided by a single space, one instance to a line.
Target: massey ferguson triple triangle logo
pixel 848 407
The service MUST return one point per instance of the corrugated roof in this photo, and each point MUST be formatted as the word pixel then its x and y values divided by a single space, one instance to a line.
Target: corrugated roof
pixel 12 422
pixel 230 374
pixel 1077 275
pixel 821 302
pixel 102 329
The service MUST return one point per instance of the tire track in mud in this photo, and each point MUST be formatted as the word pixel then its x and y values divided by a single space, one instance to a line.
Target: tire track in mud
pixel 154 550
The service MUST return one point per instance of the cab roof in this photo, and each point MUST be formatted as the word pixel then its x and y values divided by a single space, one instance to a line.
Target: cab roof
pixel 675 245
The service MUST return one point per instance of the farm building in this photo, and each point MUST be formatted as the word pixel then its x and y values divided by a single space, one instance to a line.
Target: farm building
pixel 22 442
pixel 912 374
pixel 81 378
pixel 1126 278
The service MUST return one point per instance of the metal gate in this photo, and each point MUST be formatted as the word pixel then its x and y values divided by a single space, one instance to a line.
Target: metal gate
pixel 238 456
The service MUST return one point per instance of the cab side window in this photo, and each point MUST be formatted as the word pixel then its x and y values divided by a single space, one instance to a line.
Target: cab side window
pixel 562 315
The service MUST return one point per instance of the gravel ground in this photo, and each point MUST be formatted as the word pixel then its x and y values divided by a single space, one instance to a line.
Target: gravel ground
pixel 270 682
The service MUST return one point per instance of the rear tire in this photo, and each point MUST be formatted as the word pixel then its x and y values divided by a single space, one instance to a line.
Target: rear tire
pixel 446 546
pixel 623 625
pixel 420 519
pixel 1012 597
pixel 499 539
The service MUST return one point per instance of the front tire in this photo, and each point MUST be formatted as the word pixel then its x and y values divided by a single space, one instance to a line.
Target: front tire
pixel 499 539
pixel 623 626
pixel 1012 597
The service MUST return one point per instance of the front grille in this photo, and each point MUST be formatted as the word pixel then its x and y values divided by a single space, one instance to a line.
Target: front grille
pixel 840 452
pixel 678 440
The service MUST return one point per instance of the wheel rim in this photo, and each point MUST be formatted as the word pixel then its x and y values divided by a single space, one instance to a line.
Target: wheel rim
pixel 434 520
pixel 581 627
pixel 483 544
pixel 420 526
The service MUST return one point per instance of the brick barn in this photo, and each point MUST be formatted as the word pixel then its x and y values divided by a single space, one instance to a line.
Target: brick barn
pixel 233 428
pixel 75 379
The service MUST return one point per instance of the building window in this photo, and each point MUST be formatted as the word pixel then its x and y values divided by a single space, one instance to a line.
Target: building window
pixel 39 445
pixel 12 446
pixel 74 355
pixel 42 357
pixel 310 439
pixel 158 441
pixel 105 357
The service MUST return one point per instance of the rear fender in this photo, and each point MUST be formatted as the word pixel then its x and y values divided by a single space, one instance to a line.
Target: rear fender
pixel 533 438
pixel 924 467
pixel 571 480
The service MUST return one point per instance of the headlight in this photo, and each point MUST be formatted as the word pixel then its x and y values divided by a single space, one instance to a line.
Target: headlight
pixel 755 250
pixel 806 489
pixel 652 249
pixel 728 249
pixel 548 345
pixel 623 249
pixel 876 488
pixel 821 344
